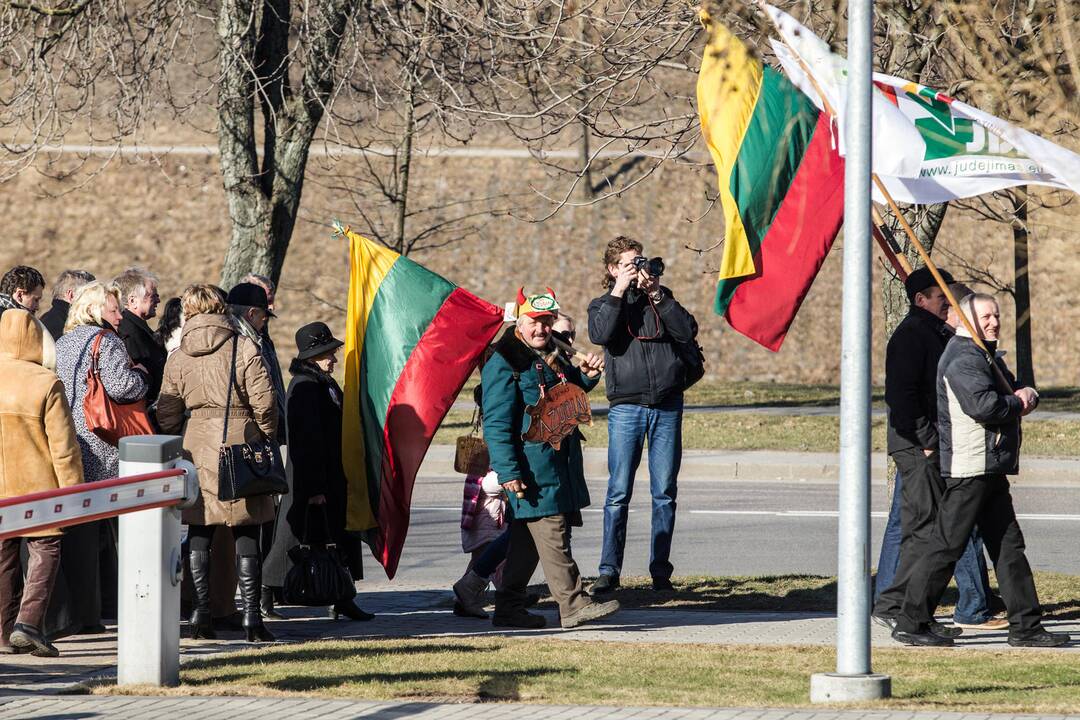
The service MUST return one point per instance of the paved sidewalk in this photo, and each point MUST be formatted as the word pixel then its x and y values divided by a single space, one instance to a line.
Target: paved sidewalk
pixel 418 612
pixel 243 708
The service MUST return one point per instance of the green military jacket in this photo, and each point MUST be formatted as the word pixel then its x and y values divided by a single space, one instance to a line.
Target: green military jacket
pixel 554 479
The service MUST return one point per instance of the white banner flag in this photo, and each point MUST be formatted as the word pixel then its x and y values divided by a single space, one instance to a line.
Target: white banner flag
pixel 927 147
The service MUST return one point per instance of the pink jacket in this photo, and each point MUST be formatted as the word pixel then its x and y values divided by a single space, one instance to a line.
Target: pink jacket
pixel 482 511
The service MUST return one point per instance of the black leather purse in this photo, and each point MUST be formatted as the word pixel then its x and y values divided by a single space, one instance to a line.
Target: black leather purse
pixel 318 576
pixel 247 469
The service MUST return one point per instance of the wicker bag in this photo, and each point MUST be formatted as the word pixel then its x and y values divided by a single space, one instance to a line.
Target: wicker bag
pixel 471 457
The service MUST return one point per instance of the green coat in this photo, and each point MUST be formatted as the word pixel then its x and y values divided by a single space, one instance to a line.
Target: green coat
pixel 554 479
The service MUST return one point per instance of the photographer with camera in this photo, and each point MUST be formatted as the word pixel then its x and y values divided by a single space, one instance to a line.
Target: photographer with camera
pixel 644 332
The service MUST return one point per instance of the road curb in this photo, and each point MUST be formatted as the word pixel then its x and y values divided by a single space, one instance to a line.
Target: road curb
pixel 776 466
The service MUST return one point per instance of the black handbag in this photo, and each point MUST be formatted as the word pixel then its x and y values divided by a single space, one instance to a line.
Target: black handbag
pixel 318 576
pixel 247 469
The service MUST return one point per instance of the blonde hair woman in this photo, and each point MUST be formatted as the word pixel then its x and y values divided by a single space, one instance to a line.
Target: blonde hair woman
pixel 95 310
pixel 193 400
pixel 202 299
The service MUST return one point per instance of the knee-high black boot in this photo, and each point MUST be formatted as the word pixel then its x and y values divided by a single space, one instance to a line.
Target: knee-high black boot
pixel 202 624
pixel 249 577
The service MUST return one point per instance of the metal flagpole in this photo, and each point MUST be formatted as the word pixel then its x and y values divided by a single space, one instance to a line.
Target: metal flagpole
pixel 853 679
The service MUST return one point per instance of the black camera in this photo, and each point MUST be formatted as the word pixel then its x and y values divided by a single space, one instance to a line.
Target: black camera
pixel 653 266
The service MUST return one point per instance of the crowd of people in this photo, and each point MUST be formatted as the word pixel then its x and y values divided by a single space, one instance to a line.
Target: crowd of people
pixel 208 372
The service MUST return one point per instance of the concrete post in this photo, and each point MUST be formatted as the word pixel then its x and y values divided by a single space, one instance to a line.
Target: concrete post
pixel 148 627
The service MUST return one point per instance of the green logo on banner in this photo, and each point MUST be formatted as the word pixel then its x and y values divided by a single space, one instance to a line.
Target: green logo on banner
pixel 945 134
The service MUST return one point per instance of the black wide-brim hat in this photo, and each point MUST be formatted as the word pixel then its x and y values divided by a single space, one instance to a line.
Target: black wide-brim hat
pixel 315 339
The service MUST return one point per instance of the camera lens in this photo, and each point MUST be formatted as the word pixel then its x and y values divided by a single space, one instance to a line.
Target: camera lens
pixel 656 267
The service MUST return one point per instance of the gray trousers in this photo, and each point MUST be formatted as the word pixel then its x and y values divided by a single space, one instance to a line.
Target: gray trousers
pixel 547 541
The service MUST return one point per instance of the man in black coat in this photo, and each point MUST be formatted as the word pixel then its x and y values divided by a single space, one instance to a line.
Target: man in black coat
pixel 63 292
pixel 979 410
pixel 639 324
pixel 139 297
pixel 911 363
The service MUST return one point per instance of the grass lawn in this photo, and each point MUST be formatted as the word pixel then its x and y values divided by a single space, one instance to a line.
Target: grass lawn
pixel 464 670
pixel 602 673
pixel 751 431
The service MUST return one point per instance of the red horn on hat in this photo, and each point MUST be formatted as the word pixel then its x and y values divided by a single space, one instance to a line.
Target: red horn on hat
pixel 552 293
pixel 521 295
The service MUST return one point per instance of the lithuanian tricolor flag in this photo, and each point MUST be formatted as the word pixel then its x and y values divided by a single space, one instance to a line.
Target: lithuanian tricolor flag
pixel 781 186
pixel 412 339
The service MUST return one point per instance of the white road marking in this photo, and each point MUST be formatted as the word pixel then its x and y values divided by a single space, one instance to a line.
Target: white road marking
pixel 1053 517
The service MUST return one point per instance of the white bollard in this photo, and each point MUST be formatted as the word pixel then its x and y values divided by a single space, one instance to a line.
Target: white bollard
pixel 148 623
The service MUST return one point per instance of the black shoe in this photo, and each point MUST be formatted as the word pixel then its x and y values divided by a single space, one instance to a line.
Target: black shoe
pixel 200 621
pixel 532 600
pixel 889 623
pixel 461 611
pixel 1041 638
pixel 266 605
pixel 255 630
pixel 249 578
pixel 604 584
pixel 202 626
pixel 945 631
pixel 662 585
pixel 351 611
pixel 518 619
pixel 28 636
pixel 923 638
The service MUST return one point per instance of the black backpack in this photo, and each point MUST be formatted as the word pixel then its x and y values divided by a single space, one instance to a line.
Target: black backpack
pixel 693 360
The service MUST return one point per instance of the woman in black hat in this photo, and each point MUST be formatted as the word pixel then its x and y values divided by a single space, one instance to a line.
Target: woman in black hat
pixel 313 416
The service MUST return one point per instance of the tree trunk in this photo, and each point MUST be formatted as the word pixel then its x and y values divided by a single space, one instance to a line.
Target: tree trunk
pixel 404 165
pixel 263 202
pixel 586 182
pixel 249 207
pixel 1025 368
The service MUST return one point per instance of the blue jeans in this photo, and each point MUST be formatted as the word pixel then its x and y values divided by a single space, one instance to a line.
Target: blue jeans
pixel 628 428
pixel 972 580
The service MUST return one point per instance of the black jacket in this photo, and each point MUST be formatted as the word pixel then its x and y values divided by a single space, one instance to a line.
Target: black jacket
pixel 143 347
pixel 55 318
pixel 911 365
pixel 313 416
pixel 640 363
pixel 979 422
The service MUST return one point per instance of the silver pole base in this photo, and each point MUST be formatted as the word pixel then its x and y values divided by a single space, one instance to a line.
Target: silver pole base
pixel 834 688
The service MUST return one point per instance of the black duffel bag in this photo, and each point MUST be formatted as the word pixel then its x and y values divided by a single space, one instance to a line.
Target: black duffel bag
pixel 318 576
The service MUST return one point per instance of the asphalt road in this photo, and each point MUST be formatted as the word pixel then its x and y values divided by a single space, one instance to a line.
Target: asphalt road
pixel 722 528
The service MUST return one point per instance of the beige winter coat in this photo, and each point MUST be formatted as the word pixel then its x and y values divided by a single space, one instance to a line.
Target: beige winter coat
pixel 196 382
pixel 38 448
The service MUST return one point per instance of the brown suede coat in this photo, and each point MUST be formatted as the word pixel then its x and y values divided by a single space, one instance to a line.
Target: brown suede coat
pixel 38 448
pixel 196 382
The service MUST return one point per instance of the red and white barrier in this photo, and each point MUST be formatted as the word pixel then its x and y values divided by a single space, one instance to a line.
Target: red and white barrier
pixel 90 501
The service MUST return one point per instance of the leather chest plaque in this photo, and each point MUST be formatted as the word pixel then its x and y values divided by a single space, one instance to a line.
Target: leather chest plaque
pixel 557 414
